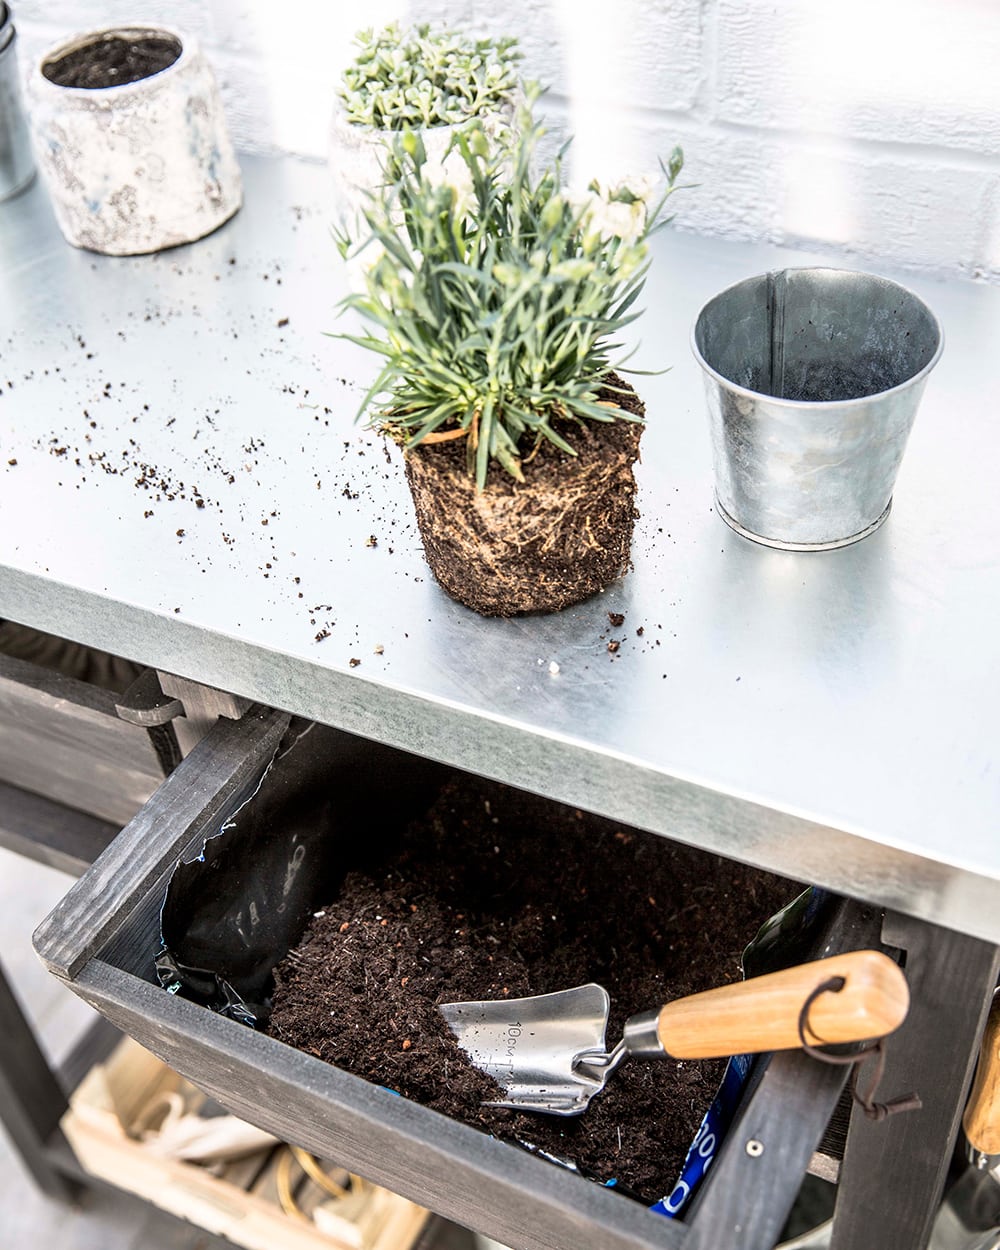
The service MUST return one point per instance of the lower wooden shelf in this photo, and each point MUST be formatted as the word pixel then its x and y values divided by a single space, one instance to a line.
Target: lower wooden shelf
pixel 125 1126
pixel 42 829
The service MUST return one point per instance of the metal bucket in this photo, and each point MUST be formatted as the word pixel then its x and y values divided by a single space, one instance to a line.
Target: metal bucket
pixel 16 164
pixel 813 378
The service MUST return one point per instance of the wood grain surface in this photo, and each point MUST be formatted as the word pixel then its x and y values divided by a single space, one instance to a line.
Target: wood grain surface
pixel 982 1113
pixel 763 1013
pixel 189 801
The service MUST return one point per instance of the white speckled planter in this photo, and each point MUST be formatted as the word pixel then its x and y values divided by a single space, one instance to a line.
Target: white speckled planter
pixel 357 154
pixel 138 166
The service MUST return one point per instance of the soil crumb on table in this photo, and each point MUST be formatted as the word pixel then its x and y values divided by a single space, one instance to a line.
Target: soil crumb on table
pixel 500 894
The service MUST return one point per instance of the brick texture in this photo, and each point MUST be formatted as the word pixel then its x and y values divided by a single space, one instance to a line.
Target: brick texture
pixel 869 127
pixel 904 71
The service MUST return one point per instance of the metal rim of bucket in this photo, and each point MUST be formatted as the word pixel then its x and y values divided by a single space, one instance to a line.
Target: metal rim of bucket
pixel 817 404
pixel 20 186
pixel 781 544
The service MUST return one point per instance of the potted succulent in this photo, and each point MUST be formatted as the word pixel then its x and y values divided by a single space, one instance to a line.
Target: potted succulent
pixel 419 79
pixel 494 296
pixel 130 136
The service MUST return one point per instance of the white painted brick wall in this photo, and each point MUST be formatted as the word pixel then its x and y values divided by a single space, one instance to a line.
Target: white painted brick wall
pixel 912 72
pixel 867 125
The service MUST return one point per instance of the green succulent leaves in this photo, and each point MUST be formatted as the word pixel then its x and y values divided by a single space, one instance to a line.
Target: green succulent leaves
pixel 493 294
pixel 420 78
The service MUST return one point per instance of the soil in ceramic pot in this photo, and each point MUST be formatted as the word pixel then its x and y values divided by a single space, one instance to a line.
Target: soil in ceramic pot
pixel 113 60
pixel 501 894
pixel 538 546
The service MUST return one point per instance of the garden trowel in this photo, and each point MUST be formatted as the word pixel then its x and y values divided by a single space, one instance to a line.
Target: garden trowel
pixel 548 1053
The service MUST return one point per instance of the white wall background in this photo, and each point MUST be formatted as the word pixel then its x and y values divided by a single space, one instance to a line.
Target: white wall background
pixel 869 125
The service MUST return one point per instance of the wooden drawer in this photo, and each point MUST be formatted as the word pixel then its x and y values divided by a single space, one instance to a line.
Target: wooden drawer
pixel 101 940
pixel 92 748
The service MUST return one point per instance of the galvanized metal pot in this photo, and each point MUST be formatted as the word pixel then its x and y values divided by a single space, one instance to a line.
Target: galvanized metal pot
pixel 813 378
pixel 140 165
pixel 16 165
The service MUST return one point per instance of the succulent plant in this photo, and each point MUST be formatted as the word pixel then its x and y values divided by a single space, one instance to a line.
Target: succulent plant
pixel 418 78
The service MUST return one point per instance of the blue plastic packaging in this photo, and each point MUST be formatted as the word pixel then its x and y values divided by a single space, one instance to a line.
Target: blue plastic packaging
pixel 711 1133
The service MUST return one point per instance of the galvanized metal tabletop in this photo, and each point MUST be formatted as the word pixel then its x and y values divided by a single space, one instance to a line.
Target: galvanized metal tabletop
pixel 181 482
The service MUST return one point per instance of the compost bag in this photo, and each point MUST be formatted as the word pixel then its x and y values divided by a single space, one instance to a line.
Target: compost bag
pixel 235 911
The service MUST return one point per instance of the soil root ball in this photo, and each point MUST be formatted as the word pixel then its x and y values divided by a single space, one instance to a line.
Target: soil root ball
pixel 541 545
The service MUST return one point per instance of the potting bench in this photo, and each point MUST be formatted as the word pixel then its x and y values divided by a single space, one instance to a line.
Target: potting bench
pixel 181 484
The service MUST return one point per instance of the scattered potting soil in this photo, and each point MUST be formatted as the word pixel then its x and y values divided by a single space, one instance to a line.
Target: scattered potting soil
pixel 112 60
pixel 541 545
pixel 500 894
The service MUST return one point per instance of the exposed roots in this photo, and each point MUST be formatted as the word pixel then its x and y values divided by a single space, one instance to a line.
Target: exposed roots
pixel 537 546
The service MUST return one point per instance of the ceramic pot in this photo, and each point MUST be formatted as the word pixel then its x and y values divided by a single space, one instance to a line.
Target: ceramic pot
pixel 130 136
pixel 357 158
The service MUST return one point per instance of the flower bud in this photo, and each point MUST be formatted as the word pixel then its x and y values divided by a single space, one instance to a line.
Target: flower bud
pixel 552 213
pixel 478 143
pixel 574 270
pixel 413 146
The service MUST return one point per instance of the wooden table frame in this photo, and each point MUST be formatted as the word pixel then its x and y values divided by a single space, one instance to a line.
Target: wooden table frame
pixel 893 1173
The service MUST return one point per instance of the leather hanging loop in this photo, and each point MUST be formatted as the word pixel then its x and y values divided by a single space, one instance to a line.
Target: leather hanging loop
pixel 864 1098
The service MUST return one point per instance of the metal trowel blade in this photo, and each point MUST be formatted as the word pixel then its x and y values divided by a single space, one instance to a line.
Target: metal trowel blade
pixel 530 1046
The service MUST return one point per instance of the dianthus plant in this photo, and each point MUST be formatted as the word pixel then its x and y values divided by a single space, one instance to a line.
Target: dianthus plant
pixel 494 294
pixel 400 80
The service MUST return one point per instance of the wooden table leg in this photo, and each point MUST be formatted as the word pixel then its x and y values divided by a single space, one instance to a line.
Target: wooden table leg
pixel 893 1172
pixel 31 1099
pixel 750 1189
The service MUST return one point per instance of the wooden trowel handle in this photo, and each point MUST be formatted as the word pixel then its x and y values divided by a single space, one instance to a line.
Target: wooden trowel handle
pixel 763 1013
pixel 982 1113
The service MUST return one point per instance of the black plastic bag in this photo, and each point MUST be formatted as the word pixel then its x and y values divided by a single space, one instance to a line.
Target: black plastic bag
pixel 231 915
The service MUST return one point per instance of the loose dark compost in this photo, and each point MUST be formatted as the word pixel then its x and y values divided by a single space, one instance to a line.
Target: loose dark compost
pixel 493 892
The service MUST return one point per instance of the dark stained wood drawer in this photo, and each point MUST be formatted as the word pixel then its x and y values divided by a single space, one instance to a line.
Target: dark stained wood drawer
pixel 101 940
